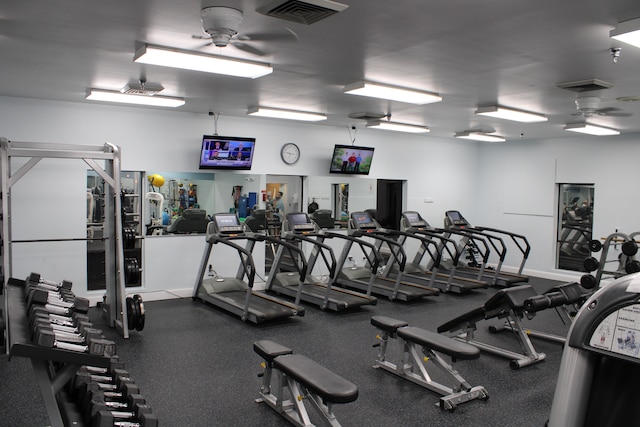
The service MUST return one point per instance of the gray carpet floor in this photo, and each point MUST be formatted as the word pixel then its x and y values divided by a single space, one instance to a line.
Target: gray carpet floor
pixel 196 366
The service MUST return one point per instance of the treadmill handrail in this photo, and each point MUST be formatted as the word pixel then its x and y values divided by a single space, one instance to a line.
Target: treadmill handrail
pixel 425 241
pixel 525 248
pixel 501 252
pixel 473 238
pixel 247 258
pixel 377 258
pixel 302 270
pixel 390 242
pixel 330 265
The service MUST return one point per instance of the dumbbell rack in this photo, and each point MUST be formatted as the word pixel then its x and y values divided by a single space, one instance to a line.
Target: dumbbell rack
pixel 51 381
pixel 115 299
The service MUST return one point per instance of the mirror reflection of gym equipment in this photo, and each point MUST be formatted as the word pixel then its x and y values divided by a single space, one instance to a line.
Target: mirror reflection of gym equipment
pixel 575 225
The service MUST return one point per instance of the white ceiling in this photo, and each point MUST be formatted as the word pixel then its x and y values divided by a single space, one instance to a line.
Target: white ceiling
pixel 471 52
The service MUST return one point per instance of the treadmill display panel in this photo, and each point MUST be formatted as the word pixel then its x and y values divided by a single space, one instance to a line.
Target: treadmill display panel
pixel 227 223
pixel 300 222
pixel 414 220
pixel 457 219
pixel 363 221
pixel 619 332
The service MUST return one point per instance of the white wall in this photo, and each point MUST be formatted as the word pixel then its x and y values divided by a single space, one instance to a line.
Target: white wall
pixel 508 185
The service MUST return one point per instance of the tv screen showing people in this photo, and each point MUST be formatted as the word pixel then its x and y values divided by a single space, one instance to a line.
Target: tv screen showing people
pixel 350 159
pixel 226 152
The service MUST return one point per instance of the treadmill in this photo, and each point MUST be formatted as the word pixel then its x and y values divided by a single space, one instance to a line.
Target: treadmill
pixel 412 222
pixel 299 229
pixel 361 226
pixel 236 294
pixel 455 221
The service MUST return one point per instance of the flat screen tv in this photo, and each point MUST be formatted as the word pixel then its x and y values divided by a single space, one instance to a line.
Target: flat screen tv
pixel 349 159
pixel 227 152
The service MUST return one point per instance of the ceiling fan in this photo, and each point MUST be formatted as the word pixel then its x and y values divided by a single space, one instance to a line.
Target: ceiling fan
pixel 589 106
pixel 221 24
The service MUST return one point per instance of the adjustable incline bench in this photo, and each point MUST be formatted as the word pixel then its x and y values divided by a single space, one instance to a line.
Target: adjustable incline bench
pixel 505 304
pixel 305 380
pixel 413 367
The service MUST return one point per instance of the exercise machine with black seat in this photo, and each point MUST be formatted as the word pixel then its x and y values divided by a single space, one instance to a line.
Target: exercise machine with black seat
pixel 508 304
pixel 431 273
pixel 298 229
pixel 362 226
pixel 600 367
pixel 454 220
pixel 236 294
pixel 413 366
pixel 299 379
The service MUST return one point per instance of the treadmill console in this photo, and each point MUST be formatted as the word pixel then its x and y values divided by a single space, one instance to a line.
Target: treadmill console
pixel 299 222
pixel 363 221
pixel 227 224
pixel 455 219
pixel 414 220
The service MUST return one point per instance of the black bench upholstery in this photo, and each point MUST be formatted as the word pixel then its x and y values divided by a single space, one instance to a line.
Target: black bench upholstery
pixel 269 350
pixel 387 324
pixel 318 379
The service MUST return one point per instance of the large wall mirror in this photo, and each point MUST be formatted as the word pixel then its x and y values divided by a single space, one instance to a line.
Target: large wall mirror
pixel 575 225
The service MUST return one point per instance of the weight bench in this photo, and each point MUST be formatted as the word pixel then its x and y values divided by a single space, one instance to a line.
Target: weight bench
pixel 303 379
pixel 505 304
pixel 413 367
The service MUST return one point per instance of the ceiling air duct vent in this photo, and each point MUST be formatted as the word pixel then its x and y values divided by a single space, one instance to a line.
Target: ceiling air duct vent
pixel 142 88
pixel 303 12
pixel 585 85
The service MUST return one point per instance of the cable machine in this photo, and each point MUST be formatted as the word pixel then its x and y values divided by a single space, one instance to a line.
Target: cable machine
pixel 116 304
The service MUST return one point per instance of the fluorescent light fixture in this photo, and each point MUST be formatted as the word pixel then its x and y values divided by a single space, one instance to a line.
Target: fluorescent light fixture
pixel 126 98
pixel 286 114
pixel 510 114
pixel 479 136
pixel 627 32
pixel 392 93
pixel 398 127
pixel 591 129
pixel 197 61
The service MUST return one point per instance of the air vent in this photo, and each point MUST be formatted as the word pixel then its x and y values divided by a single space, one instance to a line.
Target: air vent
pixel 303 12
pixel 142 88
pixel 585 85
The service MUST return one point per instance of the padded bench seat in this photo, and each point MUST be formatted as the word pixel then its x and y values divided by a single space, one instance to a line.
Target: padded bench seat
pixel 269 350
pixel 437 342
pixel 387 324
pixel 318 379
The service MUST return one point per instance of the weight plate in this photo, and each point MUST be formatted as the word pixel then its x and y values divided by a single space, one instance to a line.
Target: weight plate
pixel 595 245
pixel 590 264
pixel 587 281
pixel 629 248
pixel 131 313
pixel 141 317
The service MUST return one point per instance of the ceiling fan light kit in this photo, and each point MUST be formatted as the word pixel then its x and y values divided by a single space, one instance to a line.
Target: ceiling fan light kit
pixel 393 93
pixel 195 61
pixel 285 114
pixel 590 129
pixel 627 32
pixel 510 114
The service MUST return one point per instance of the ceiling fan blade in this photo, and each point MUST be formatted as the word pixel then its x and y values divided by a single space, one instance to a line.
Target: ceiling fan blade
pixel 287 35
pixel 616 114
pixel 199 37
pixel 607 110
pixel 248 48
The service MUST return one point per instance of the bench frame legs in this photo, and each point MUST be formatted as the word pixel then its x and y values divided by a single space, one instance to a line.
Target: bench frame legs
pixel 413 367
pixel 288 396
pixel 529 354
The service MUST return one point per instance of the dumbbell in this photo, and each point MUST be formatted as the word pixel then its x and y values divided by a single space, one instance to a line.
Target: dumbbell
pixel 36 279
pixel 92 343
pixel 110 419
pixel 114 380
pixel 72 319
pixel 95 400
pixel 56 306
pixel 63 298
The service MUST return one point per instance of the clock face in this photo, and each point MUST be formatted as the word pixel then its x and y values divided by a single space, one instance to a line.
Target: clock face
pixel 290 153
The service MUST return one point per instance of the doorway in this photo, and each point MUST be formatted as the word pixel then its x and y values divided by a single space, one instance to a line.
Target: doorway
pixel 389 202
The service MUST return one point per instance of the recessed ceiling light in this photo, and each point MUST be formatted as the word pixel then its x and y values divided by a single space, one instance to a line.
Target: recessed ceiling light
pixel 395 126
pixel 591 129
pixel 126 98
pixel 196 61
pixel 510 114
pixel 479 136
pixel 286 114
pixel 627 32
pixel 392 93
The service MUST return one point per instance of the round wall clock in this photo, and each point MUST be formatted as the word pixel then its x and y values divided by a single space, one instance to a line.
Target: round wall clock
pixel 290 153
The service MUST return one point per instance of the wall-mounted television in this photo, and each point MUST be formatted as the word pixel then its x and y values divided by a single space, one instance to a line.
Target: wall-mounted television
pixel 350 159
pixel 226 152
